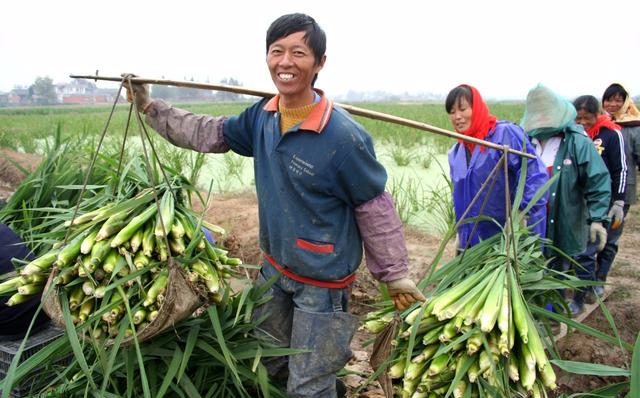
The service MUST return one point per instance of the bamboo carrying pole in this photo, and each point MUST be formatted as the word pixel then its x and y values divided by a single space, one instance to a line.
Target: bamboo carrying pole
pixel 351 109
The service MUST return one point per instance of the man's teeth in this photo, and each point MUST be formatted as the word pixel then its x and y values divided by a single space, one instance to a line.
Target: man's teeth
pixel 286 76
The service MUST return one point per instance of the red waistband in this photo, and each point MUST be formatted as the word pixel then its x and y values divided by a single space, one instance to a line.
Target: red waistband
pixel 337 284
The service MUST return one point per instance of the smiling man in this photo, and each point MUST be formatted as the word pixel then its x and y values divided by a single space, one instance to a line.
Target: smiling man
pixel 321 200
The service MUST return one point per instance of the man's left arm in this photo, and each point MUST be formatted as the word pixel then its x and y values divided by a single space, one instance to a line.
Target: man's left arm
pixel 385 248
pixel 383 238
pixel 360 181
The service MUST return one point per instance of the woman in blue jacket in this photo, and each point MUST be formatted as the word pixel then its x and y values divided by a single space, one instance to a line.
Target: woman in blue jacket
pixel 470 165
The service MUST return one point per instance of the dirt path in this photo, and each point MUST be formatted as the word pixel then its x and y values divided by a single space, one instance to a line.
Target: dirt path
pixel 239 216
pixel 10 173
pixel 624 305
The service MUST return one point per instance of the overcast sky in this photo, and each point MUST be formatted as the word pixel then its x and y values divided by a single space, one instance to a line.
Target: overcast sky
pixel 502 47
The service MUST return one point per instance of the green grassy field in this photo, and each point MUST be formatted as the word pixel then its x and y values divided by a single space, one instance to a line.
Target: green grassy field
pixel 21 127
pixel 415 160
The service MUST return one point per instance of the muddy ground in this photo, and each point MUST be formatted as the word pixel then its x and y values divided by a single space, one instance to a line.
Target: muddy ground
pixel 238 214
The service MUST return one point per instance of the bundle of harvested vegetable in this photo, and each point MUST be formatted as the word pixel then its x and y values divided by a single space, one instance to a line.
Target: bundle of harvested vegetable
pixel 121 249
pixel 65 177
pixel 213 355
pixel 475 335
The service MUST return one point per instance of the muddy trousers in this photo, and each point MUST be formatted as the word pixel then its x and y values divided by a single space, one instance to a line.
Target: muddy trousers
pixel 608 254
pixel 311 318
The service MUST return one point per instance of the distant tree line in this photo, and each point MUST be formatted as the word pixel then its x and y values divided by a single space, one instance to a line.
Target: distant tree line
pixel 43 91
pixel 194 94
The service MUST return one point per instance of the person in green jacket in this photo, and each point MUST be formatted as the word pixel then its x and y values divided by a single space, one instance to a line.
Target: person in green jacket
pixel 579 198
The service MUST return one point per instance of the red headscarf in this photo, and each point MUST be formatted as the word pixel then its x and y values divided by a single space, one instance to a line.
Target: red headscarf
pixel 602 121
pixel 482 122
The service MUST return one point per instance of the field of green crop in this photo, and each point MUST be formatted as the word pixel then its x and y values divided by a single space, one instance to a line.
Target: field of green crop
pixel 415 160
pixel 22 127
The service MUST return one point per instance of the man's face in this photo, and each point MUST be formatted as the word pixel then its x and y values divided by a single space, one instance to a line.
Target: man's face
pixel 292 66
pixel 613 104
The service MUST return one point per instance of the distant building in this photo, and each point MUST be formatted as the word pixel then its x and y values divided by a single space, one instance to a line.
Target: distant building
pixel 85 92
pixel 19 96
pixel 79 92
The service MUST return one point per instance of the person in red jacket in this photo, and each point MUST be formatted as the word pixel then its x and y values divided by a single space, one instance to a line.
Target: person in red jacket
pixel 617 102
pixel 609 143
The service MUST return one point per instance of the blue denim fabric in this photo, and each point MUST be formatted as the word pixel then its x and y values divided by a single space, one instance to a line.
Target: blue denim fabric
pixel 306 317
pixel 587 261
pixel 561 264
pixel 586 270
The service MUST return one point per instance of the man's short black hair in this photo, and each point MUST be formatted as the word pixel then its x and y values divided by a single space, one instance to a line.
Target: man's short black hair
pixel 462 91
pixel 587 103
pixel 614 90
pixel 294 23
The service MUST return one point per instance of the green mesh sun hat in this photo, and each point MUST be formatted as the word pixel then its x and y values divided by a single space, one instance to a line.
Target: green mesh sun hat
pixel 546 112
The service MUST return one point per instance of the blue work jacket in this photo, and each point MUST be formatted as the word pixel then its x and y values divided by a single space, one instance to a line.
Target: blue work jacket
pixel 309 180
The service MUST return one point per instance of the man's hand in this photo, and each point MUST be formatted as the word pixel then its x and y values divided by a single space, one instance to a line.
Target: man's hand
pixel 140 93
pixel 598 233
pixel 404 292
pixel 616 213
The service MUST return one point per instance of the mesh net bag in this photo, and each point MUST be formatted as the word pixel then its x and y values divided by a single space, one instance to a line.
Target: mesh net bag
pixel 182 299
pixel 382 347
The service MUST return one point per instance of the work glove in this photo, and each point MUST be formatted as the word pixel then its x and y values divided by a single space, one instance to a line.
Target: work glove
pixel 598 233
pixel 140 94
pixel 403 293
pixel 616 214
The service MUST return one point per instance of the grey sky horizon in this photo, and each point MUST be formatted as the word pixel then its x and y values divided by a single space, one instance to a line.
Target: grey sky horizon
pixel 504 48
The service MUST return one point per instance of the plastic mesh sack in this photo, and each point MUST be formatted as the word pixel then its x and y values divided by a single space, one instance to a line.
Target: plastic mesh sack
pixel 382 347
